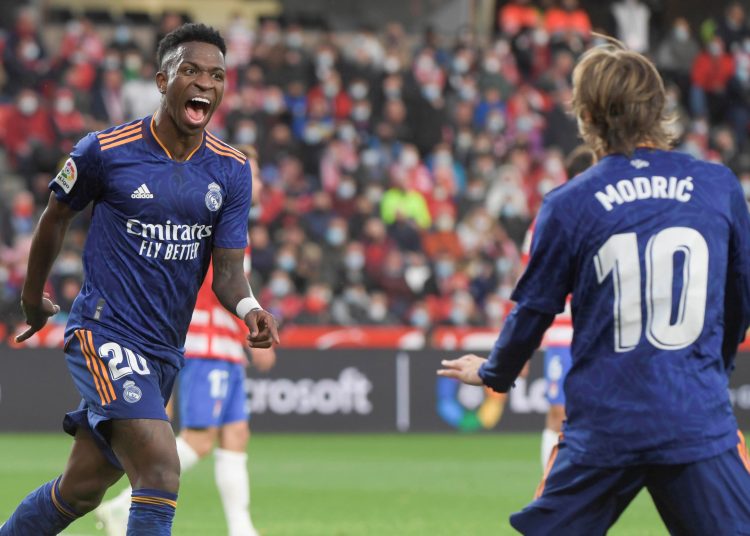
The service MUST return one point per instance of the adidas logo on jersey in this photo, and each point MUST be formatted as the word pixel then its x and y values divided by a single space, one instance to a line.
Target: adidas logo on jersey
pixel 142 193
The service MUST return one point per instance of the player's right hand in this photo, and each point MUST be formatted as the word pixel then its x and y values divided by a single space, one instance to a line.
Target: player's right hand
pixel 37 316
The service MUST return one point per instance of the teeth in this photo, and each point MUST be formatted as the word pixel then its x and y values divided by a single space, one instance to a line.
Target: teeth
pixel 201 99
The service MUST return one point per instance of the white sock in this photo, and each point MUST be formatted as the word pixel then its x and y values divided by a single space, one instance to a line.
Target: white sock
pixel 188 457
pixel 549 440
pixel 234 487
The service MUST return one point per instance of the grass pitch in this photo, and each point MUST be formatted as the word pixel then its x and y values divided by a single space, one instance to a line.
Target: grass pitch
pixel 342 485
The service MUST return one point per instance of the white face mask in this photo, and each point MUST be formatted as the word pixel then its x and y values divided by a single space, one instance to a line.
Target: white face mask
pixel 64 105
pixel 28 104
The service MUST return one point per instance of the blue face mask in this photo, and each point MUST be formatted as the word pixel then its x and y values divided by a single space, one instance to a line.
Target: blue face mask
pixel 279 287
pixel 287 263
pixel 335 236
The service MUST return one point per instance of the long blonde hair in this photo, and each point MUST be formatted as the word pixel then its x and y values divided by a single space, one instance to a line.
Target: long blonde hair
pixel 618 99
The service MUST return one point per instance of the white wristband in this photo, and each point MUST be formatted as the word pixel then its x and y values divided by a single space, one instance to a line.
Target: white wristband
pixel 246 305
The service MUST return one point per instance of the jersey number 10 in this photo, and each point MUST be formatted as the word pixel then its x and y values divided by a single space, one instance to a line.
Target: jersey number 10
pixel 664 329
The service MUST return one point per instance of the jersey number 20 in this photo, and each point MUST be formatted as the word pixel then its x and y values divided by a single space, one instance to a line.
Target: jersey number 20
pixel 664 329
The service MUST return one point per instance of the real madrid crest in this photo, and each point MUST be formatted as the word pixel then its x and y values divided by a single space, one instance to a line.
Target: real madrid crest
pixel 131 392
pixel 213 197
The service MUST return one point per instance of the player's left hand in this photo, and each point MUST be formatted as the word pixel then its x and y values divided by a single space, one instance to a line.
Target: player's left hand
pixel 465 369
pixel 264 331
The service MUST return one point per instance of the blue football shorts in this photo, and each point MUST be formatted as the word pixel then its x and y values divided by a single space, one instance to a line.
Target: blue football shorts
pixel 710 496
pixel 116 381
pixel 557 362
pixel 211 393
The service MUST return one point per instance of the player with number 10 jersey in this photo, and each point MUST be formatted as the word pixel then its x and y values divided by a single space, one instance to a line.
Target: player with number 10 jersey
pixel 644 243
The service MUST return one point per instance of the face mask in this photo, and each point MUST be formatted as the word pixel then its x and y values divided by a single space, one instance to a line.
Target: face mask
pixel 460 65
pixel 468 93
pixel 392 65
pixel 335 236
pixel 272 38
pixel 358 91
pixel 392 92
pixel 294 40
pixel 444 223
pixel 64 105
pixel 354 261
pixel 378 311
pixel 495 123
pixel 502 265
pixel 714 49
pixel 133 62
pixel 492 65
pixel 370 157
pixel 361 113
pixel 287 263
pixel 111 62
pixel 409 159
pixel 459 317
pixel 28 105
pixel 431 92
pixel 420 318
pixel 347 133
pixel 325 60
pixel 245 136
pixel 330 90
pixel 273 106
pixel 279 287
pixel 681 34
pixel 494 310
pixel 444 269
pixel 122 35
pixel 346 190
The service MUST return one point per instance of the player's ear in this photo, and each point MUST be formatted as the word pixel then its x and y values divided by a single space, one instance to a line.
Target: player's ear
pixel 161 81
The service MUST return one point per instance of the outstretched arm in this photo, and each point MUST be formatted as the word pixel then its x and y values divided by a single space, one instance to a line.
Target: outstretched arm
pixel 231 287
pixel 521 335
pixel 45 246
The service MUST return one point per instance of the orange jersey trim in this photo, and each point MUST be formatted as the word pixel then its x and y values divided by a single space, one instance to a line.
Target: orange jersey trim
pixel 164 147
pixel 60 508
pixel 742 450
pixel 122 142
pixel 119 132
pixel 102 368
pixel 119 135
pixel 221 152
pixel 226 146
pixel 155 500
pixel 97 381
pixel 548 468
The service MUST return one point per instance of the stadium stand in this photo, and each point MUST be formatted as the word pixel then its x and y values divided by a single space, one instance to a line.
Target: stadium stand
pixel 401 170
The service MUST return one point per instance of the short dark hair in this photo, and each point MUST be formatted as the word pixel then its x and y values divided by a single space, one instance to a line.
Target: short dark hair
pixel 186 33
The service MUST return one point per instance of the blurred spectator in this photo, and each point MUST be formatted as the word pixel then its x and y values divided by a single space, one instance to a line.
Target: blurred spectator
pixel 712 70
pixel 676 54
pixel 632 19
pixel 24 57
pixel 732 27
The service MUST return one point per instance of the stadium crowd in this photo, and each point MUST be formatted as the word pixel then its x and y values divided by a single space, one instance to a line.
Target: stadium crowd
pixel 400 171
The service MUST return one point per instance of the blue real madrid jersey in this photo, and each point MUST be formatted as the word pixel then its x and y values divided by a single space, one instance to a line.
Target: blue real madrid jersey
pixel 654 249
pixel 154 223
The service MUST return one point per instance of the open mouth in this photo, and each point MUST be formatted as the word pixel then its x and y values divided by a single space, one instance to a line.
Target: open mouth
pixel 197 109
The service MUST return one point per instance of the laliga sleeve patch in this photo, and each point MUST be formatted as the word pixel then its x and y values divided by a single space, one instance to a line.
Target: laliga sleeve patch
pixel 67 176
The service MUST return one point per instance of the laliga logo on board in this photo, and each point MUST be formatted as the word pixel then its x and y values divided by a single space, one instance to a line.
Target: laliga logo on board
pixel 468 407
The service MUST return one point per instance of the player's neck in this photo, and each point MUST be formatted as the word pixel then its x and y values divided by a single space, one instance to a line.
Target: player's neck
pixel 178 144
